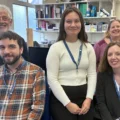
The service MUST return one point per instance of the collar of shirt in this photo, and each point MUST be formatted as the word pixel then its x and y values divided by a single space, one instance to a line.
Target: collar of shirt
pixel 117 85
pixel 20 66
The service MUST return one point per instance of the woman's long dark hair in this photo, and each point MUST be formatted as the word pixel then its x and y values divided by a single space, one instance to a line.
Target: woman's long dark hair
pixel 82 34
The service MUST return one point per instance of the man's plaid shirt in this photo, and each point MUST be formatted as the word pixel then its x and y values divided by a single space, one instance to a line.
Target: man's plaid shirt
pixel 27 99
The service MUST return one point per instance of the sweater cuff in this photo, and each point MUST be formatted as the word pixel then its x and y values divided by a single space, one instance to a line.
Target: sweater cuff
pixel 66 102
pixel 89 96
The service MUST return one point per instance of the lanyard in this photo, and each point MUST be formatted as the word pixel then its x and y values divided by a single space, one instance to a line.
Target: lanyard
pixel 14 83
pixel 79 57
pixel 118 92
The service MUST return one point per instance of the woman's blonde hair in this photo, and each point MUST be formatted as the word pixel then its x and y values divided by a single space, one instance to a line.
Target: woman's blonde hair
pixel 107 35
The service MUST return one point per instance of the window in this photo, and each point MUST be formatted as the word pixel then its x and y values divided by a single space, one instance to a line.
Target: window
pixel 32 24
pixel 25 19
pixel 20 20
pixel 23 0
pixel 30 1
pixel 35 1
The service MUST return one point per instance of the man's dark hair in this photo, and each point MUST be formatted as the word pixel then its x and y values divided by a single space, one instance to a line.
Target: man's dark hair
pixel 12 36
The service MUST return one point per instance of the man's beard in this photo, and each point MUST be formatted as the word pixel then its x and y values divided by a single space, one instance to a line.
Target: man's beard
pixel 15 59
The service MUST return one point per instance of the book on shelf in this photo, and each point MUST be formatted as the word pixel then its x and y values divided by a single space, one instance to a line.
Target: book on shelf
pixel 47 26
pixel 96 27
pixel 83 8
pixel 104 27
pixel 59 9
pixel 70 5
pixel 46 11
pixel 39 13
pixel 99 26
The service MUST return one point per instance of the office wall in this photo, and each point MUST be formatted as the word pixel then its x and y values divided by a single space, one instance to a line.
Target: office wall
pixel 117 10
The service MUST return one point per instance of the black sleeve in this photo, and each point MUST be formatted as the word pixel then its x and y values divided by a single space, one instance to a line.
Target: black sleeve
pixel 25 50
pixel 100 96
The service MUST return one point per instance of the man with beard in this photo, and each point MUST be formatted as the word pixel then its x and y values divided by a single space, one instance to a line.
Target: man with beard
pixel 22 84
pixel 5 24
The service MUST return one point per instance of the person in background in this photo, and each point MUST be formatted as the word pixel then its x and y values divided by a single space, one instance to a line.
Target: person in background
pixel 112 34
pixel 108 83
pixel 5 25
pixel 71 70
pixel 22 84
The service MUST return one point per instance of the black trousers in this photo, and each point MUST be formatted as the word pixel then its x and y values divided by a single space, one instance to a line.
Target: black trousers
pixel 76 94
pixel 97 119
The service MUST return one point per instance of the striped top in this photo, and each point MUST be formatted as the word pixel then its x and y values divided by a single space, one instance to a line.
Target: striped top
pixel 27 99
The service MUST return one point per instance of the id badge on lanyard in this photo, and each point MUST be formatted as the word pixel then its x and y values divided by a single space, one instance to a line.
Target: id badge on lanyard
pixel 79 57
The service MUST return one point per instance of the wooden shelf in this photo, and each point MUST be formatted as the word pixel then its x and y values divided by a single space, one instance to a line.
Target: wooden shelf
pixel 47 19
pixel 97 32
pixel 45 31
pixel 110 17
pixel 83 1
pixel 60 3
pixel 56 31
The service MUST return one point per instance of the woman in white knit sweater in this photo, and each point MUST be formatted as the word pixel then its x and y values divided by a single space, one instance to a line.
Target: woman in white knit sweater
pixel 71 70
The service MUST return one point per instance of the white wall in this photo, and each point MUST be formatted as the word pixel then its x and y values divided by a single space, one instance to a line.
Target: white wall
pixel 117 10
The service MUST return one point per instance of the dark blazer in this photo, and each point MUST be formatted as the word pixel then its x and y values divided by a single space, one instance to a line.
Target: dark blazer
pixel 107 98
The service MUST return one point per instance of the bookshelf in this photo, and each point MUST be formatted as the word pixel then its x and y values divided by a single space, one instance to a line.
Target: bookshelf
pixel 48 17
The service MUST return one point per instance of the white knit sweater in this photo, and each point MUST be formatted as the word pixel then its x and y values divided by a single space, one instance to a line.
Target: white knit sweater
pixel 62 71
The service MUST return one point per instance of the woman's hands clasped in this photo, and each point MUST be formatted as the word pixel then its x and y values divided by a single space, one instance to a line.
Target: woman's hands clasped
pixel 85 106
pixel 75 109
